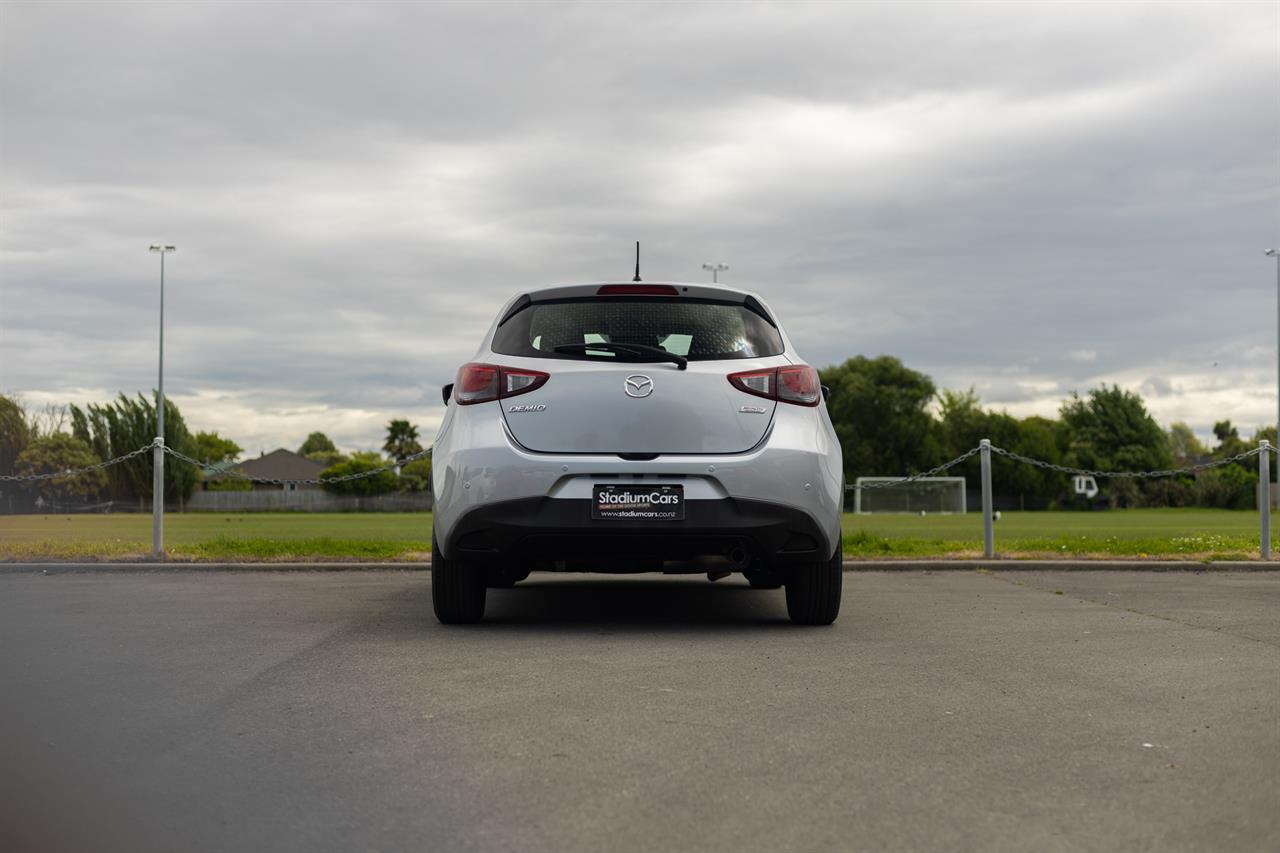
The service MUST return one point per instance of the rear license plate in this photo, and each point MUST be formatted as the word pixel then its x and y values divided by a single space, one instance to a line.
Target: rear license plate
pixel 638 503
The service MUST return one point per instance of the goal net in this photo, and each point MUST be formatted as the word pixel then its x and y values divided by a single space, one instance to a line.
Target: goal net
pixel 897 494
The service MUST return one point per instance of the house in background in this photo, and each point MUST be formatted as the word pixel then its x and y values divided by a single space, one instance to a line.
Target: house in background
pixel 279 465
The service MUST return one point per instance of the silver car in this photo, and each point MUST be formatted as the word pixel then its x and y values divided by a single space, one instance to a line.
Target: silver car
pixel 633 427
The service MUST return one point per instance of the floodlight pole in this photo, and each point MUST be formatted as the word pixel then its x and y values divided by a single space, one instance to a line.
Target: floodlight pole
pixel 157 453
pixel 715 270
pixel 1275 253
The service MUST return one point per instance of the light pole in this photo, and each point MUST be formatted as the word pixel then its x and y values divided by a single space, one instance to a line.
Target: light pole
pixel 157 465
pixel 715 270
pixel 1275 253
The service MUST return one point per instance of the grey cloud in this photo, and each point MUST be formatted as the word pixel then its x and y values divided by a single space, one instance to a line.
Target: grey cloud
pixel 1158 386
pixel 354 190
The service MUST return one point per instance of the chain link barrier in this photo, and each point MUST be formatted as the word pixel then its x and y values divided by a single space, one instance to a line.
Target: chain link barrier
pixel 1062 469
pixel 72 472
pixel 1126 475
pixel 932 472
pixel 281 481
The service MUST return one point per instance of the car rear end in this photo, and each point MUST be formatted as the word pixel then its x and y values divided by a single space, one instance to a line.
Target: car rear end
pixel 635 427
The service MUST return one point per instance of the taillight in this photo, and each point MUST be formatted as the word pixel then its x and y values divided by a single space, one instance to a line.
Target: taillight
pixel 484 383
pixel 791 384
pixel 799 384
pixel 762 383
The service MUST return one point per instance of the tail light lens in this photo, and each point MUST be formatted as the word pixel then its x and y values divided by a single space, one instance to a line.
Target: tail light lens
pixel 791 384
pixel 484 383
pixel 799 384
pixel 762 383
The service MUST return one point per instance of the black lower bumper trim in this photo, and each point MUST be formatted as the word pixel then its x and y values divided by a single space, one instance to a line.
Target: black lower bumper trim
pixel 534 529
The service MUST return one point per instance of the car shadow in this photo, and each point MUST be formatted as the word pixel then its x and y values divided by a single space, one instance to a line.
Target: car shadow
pixel 632 603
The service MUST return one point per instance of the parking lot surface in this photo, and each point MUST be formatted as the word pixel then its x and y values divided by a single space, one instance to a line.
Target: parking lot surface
pixel 329 711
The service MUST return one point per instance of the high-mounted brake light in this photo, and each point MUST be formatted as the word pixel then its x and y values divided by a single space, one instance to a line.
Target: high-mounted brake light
pixel 637 290
pixel 797 383
pixel 484 383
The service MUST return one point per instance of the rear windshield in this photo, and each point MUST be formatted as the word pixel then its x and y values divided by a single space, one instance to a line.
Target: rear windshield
pixel 698 330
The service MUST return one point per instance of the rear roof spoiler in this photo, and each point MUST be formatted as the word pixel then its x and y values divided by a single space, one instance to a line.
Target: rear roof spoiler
pixel 516 307
pixel 720 294
pixel 752 304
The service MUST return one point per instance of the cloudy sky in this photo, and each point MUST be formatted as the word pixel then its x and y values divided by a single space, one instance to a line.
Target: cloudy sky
pixel 1029 198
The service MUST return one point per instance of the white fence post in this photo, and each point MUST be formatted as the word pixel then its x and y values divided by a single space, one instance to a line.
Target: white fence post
pixel 1264 498
pixel 988 533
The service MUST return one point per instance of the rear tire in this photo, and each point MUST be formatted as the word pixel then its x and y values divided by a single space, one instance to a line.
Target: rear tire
pixel 457 588
pixel 813 590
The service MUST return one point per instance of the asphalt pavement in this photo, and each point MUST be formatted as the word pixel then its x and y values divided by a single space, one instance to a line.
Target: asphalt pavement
pixel 944 711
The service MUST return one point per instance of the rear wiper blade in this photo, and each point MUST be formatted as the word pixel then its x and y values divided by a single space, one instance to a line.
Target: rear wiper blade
pixel 642 352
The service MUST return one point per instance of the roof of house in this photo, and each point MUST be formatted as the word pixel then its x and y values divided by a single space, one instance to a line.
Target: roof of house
pixel 281 465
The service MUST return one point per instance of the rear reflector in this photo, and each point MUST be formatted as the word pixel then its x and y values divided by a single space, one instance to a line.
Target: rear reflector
pixel 637 290
pixel 796 384
pixel 484 383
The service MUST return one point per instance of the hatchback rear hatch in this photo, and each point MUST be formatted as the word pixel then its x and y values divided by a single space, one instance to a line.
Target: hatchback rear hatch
pixel 639 371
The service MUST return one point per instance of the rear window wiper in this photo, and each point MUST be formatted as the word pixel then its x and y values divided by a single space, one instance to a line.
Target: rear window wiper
pixel 641 352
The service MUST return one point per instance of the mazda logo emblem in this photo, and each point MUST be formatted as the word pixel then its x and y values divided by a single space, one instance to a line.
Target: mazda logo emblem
pixel 638 385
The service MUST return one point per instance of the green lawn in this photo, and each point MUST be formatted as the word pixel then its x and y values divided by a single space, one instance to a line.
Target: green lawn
pixel 1180 533
pixel 208 536
pixel 1207 534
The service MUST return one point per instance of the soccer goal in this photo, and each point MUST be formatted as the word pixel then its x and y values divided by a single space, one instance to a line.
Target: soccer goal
pixel 897 494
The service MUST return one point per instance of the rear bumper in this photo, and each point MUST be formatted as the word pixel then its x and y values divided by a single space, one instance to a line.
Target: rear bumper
pixel 530 530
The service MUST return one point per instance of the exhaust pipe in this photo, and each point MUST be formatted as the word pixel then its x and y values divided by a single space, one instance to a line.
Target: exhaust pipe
pixel 739 558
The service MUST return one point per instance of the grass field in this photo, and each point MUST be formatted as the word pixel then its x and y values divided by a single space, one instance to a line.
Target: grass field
pixel 1164 533
pixel 1204 534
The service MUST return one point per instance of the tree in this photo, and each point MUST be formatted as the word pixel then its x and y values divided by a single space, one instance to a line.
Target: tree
pixel 1111 430
pixel 328 458
pixel 1226 433
pixel 1228 487
pixel 402 440
pixel 62 452
pixel 15 435
pixel 963 423
pixel 1184 445
pixel 116 428
pixel 48 419
pixel 317 442
pixel 359 463
pixel 1221 492
pixel 212 448
pixel 879 410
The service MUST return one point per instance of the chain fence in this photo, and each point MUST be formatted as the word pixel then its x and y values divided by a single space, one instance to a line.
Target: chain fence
pixel 73 472
pixel 923 475
pixel 232 474
pixel 207 467
pixel 986 449
pixel 1126 475
pixel 1061 469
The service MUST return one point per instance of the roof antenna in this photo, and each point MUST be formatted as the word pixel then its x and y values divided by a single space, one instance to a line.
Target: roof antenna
pixel 637 278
